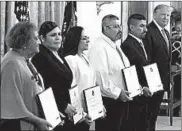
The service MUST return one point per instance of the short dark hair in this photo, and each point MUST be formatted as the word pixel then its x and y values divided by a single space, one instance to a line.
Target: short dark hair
pixel 72 40
pixel 134 17
pixel 19 35
pixel 160 7
pixel 108 17
pixel 46 27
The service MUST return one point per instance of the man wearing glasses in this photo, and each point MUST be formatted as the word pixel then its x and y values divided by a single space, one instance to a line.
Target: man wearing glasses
pixel 108 60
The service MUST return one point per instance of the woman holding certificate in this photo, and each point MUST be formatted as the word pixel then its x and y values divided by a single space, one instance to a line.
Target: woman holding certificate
pixel 19 82
pixel 76 42
pixel 55 70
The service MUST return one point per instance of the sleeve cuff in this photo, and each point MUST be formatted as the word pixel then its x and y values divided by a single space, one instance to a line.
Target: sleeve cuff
pixel 116 92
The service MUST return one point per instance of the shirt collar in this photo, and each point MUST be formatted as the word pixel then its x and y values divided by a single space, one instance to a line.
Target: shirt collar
pixel 139 40
pixel 158 26
pixel 109 41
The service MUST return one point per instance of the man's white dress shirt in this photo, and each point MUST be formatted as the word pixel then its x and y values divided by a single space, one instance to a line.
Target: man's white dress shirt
pixel 108 64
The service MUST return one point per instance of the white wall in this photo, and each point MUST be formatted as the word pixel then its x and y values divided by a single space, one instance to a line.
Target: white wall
pixel 88 18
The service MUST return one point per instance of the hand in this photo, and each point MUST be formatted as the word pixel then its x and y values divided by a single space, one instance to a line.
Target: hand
pixel 62 115
pixel 61 123
pixel 124 96
pixel 43 124
pixel 104 110
pixel 70 111
pixel 147 92
pixel 141 91
pixel 88 120
pixel 62 119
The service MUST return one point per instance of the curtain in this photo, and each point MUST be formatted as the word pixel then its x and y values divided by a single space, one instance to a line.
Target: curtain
pixel 38 12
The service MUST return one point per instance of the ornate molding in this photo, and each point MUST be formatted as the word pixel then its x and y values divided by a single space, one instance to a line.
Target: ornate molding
pixel 99 4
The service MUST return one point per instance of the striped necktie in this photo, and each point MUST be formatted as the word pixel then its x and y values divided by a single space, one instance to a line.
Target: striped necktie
pixel 165 38
pixel 121 56
pixel 142 45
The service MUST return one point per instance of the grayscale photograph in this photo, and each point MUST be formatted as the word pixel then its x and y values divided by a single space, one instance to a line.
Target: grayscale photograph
pixel 90 65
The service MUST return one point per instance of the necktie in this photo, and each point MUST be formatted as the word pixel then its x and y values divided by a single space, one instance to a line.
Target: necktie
pixel 36 75
pixel 165 38
pixel 141 44
pixel 121 56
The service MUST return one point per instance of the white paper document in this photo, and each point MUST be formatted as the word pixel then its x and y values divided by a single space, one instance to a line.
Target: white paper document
pixel 131 80
pixel 75 102
pixel 49 107
pixel 153 78
pixel 94 102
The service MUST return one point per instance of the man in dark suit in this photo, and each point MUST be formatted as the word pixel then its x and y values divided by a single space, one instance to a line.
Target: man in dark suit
pixel 158 38
pixel 139 55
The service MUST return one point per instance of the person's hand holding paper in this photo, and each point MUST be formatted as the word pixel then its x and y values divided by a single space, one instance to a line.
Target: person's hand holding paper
pixel 70 111
pixel 124 96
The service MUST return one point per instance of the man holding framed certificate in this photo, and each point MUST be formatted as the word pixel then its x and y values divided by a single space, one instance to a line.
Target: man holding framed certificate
pixel 108 60
pixel 159 39
pixel 138 53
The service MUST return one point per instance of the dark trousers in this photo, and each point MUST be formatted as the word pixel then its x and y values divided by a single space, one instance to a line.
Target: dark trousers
pixel 116 116
pixel 137 114
pixel 10 125
pixel 177 93
pixel 177 87
pixel 153 108
pixel 69 126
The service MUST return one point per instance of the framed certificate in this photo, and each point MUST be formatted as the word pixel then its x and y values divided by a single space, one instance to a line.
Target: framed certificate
pixel 49 107
pixel 131 81
pixel 75 102
pixel 94 103
pixel 153 77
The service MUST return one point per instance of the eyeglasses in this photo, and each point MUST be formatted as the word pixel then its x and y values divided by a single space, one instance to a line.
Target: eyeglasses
pixel 115 26
pixel 84 38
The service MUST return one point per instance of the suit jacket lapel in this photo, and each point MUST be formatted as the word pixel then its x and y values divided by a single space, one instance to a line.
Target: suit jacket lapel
pixel 138 46
pixel 162 38
pixel 64 68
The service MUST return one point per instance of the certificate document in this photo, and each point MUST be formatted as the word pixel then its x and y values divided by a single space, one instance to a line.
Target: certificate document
pixel 75 102
pixel 131 81
pixel 49 107
pixel 153 77
pixel 94 102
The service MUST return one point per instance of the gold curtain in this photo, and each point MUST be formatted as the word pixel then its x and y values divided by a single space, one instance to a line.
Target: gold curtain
pixel 38 11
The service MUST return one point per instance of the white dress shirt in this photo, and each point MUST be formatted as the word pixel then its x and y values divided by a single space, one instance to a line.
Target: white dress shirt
pixel 108 64
pixel 84 75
